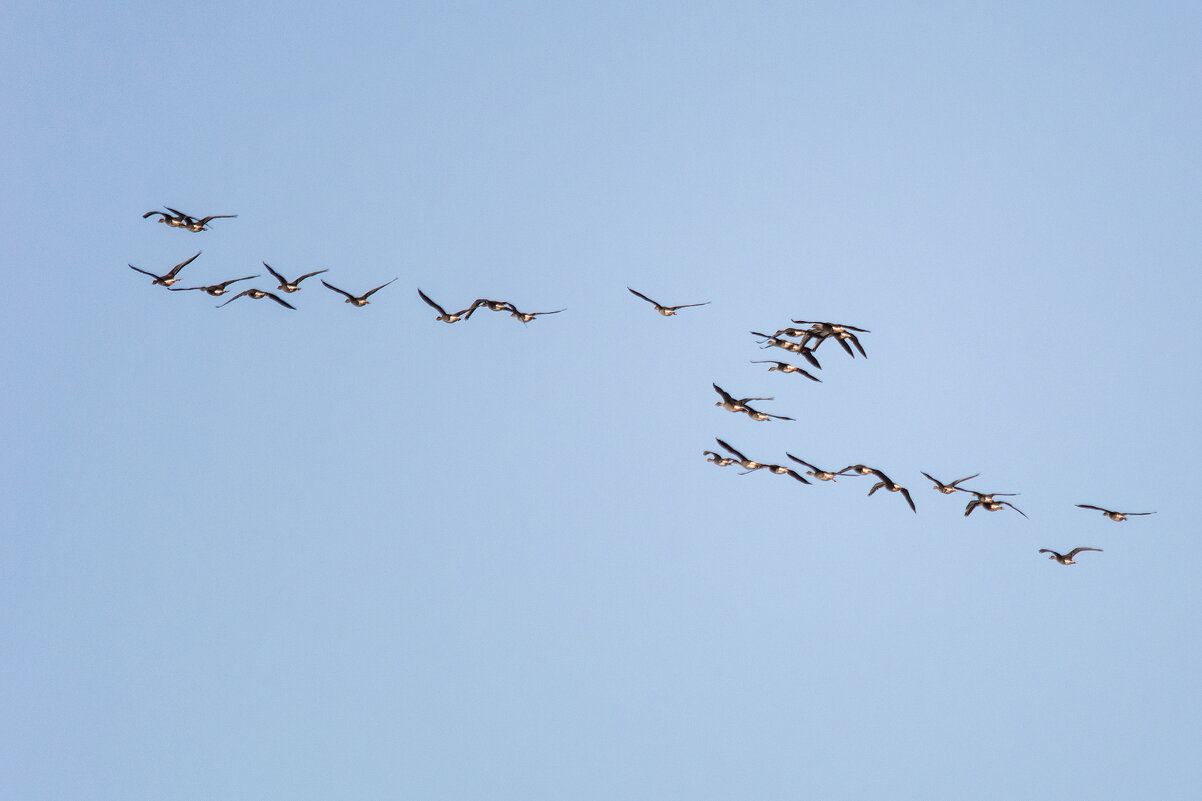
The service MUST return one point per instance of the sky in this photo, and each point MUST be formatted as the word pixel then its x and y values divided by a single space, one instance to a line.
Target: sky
pixel 346 552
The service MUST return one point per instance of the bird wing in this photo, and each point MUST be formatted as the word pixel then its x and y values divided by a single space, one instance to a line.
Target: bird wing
pixel 856 341
pixel 843 344
pixel 205 221
pixel 147 214
pixel 732 450
pixel 688 305
pixel 937 481
pixel 1015 508
pixel 429 302
pixel 310 275
pixel 803 461
pixel 557 311
pixel 235 297
pixel 277 276
pixel 152 275
pixel 906 494
pixel 1076 551
pixel 224 284
pixel 973 504
pixel 807 375
pixel 644 297
pixel 1128 514
pixel 181 266
pixel 339 291
pixel 377 289
pixel 808 353
pixel 1053 553
pixel 725 395
pixel 958 480
pixel 178 213
pixel 278 299
pixel 1097 508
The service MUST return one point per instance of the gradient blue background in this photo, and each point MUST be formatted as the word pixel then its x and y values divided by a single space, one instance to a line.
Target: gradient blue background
pixel 355 553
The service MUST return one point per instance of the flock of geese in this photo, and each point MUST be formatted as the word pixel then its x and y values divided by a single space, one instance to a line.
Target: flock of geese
pixel 801 341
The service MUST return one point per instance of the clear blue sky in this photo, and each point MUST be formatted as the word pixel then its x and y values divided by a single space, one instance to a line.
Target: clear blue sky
pixel 356 553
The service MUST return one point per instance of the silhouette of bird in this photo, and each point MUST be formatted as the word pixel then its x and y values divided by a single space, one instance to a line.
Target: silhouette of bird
pixel 491 305
pixel 948 489
pixel 718 459
pixel 785 367
pixel 1118 517
pixel 170 278
pixel 442 313
pixel 666 311
pixel 986 501
pixel 216 290
pixel 292 286
pixel 258 294
pixel 357 300
pixel 1067 558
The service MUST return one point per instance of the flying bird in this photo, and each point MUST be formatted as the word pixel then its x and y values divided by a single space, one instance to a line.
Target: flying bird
pixel 717 458
pixel 195 225
pixel 258 294
pixel 170 278
pixel 291 286
pixel 491 305
pixel 781 470
pixel 526 317
pixel 1118 517
pixel 986 501
pixel 948 489
pixel 666 311
pixel 792 347
pixel 816 472
pixel 357 300
pixel 892 486
pixel 747 464
pixel 785 367
pixel 463 314
pixel 216 290
pixel 730 403
pixel 759 416
pixel 1067 558
pixel 175 221
pixel 841 331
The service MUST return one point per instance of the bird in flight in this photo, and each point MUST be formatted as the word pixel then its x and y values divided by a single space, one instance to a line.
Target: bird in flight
pixel 216 290
pixel 526 317
pixel 1067 558
pixel 258 294
pixel 718 459
pixel 1118 517
pixel 170 278
pixel 816 472
pixel 357 300
pixel 785 367
pixel 744 462
pixel 175 221
pixel 792 347
pixel 730 403
pixel 462 314
pixel 948 489
pixel 892 486
pixel 763 417
pixel 666 311
pixel 840 331
pixel 195 225
pixel 781 470
pixel 291 286
pixel 986 501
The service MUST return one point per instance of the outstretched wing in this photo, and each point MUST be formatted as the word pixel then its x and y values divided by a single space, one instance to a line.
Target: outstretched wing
pixel 432 304
pixel 235 297
pixel 339 291
pixel 1096 508
pixel 279 300
pixel 644 297
pixel 277 276
pixel 687 305
pixel 144 272
pixel 377 289
pixel 1076 551
pixel 310 275
pixel 732 450
pixel 906 494
pixel 181 265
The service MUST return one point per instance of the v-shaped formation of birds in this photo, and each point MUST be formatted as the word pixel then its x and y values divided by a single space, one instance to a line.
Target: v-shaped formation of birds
pixel 801 341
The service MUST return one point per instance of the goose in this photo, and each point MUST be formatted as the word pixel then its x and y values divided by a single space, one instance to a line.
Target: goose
pixel 729 403
pixel 892 486
pixel 194 225
pixel 491 305
pixel 291 286
pixel 718 459
pixel 748 464
pixel 258 294
pixel 463 314
pixel 986 501
pixel 785 367
pixel 762 417
pixel 666 311
pixel 781 470
pixel 216 290
pixel 841 331
pixel 792 347
pixel 526 317
pixel 1118 517
pixel 170 278
pixel 175 221
pixel 816 472
pixel 357 300
pixel 1067 558
pixel 948 489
